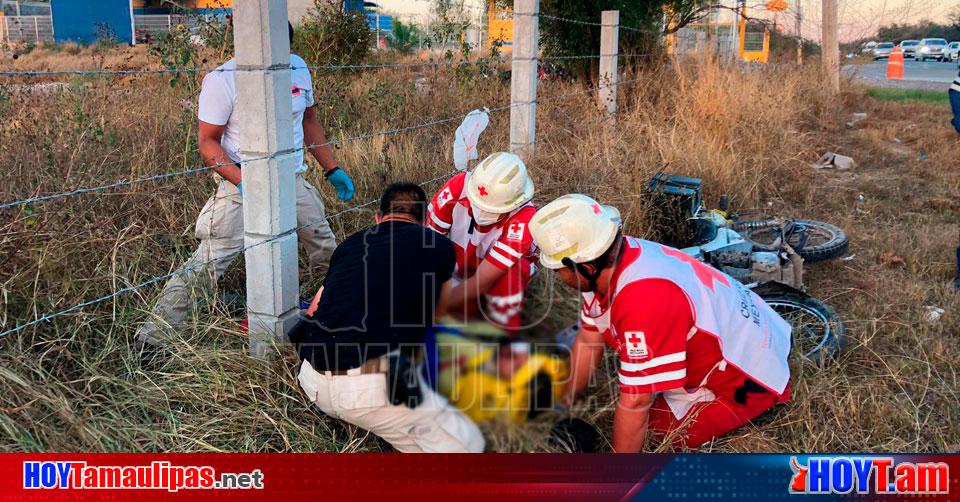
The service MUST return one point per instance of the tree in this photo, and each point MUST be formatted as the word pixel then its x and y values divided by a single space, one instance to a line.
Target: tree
pixel 449 19
pixel 406 35
pixel 332 35
pixel 648 21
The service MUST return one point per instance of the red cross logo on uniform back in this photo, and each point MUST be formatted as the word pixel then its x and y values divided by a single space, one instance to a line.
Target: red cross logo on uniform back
pixel 705 273
pixel 483 191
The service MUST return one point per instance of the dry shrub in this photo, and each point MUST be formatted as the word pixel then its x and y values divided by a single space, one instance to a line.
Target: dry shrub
pixel 74 383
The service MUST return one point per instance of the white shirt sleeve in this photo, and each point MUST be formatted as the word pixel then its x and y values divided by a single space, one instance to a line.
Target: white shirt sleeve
pixel 215 102
pixel 309 89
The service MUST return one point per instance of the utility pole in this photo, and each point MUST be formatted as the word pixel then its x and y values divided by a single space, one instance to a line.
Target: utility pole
pixel 609 47
pixel 830 40
pixel 799 32
pixel 523 78
pixel 265 110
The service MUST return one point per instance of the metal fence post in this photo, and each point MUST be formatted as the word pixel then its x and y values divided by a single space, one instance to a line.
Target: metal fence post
pixel 609 76
pixel 269 197
pixel 523 79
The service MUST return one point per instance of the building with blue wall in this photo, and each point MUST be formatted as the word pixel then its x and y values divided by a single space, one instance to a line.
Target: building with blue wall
pixel 85 21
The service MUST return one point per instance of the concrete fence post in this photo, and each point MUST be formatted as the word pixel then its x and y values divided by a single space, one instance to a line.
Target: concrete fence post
pixel 269 196
pixel 609 49
pixel 523 79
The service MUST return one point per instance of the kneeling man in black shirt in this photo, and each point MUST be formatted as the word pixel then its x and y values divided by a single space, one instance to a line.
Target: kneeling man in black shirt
pixel 379 298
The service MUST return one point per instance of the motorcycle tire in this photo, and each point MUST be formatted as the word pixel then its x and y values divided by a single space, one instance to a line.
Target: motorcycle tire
pixel 823 240
pixel 818 332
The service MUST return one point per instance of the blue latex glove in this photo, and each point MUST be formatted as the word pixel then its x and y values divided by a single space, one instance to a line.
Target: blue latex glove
pixel 342 182
pixel 240 188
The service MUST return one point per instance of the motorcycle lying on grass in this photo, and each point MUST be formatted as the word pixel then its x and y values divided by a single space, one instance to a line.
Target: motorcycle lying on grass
pixel 767 255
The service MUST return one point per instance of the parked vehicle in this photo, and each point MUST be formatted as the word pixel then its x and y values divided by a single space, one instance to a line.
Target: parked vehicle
pixel 909 47
pixel 882 50
pixel 953 51
pixel 931 48
pixel 766 254
pixel 868 48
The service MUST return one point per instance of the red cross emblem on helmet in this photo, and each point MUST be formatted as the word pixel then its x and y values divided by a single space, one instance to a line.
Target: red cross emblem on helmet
pixel 483 191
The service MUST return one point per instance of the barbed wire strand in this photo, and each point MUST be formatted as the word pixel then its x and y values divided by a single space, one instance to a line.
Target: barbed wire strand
pixel 155 280
pixel 200 169
pixel 171 71
pixel 165 71
pixel 129 289
pixel 205 168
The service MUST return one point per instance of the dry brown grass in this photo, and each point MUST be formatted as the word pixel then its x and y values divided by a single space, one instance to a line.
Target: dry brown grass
pixel 75 384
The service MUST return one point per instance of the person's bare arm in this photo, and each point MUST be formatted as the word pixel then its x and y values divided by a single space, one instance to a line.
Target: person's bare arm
pixel 443 303
pixel 208 141
pixel 315 140
pixel 312 309
pixel 584 360
pixel 630 422
pixel 468 291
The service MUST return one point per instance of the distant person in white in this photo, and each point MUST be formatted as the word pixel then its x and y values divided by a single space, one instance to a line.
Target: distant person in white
pixel 220 224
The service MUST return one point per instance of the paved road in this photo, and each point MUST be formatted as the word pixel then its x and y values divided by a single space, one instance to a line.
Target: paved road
pixel 916 75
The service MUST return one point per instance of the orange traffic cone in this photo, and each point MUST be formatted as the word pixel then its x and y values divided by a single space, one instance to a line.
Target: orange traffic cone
pixel 895 64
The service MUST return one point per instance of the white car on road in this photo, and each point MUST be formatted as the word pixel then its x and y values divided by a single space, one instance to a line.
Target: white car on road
pixel 909 47
pixel 882 50
pixel 931 48
pixel 953 51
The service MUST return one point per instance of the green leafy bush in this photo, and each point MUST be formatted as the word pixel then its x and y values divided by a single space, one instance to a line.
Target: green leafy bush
pixel 328 35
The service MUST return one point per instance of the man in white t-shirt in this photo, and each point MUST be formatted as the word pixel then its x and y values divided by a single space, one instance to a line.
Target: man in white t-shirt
pixel 220 224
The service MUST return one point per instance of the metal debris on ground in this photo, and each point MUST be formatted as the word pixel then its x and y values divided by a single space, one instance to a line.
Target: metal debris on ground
pixel 857 117
pixel 832 160
pixel 933 314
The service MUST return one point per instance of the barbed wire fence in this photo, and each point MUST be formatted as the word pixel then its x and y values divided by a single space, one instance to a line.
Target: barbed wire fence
pixel 17 204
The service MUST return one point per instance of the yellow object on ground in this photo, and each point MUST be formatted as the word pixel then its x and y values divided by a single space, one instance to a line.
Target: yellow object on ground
pixel 469 377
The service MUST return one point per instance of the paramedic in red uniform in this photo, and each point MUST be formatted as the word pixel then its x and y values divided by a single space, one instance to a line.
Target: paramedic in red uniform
pixel 486 213
pixel 700 355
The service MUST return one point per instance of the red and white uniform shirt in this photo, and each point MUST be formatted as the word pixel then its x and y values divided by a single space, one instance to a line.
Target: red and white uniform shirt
pixel 685 329
pixel 506 244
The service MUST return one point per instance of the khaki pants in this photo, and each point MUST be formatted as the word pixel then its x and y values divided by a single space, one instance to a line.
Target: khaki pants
pixel 432 427
pixel 220 230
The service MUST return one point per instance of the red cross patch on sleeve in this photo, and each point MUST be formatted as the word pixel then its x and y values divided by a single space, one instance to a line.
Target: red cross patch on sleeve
pixel 636 344
pixel 444 197
pixel 515 231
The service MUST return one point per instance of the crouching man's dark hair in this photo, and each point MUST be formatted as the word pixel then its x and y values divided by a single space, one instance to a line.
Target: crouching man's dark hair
pixel 404 197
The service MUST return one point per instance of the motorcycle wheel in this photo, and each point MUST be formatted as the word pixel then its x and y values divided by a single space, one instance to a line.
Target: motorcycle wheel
pixel 817 242
pixel 818 332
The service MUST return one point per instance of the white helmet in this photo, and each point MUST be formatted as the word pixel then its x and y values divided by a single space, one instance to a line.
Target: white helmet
pixel 499 184
pixel 574 226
